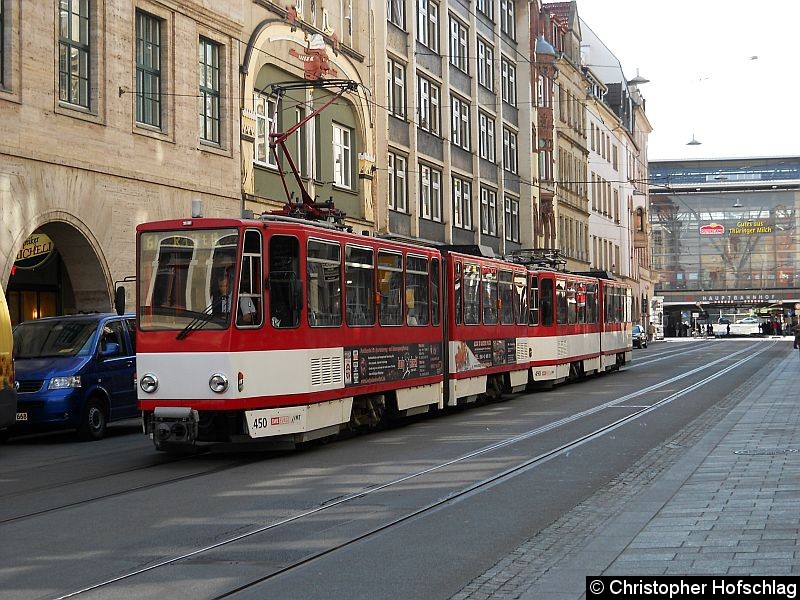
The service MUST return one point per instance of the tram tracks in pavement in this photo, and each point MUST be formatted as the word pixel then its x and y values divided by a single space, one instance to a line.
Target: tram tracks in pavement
pixel 173 479
pixel 454 496
pixel 168 460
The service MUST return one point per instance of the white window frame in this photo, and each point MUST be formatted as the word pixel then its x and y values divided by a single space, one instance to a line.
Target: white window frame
pixel 430 196
pixel 265 108
pixel 428 24
pixel 507 24
pixel 428 101
pixel 511 211
pixel 488 211
pixel 485 64
pixel 342 142
pixel 462 202
pixel 396 88
pixel 459 122
pixel 459 45
pixel 510 158
pixel 486 141
pixel 396 12
pixel 509 76
pixel 486 8
pixel 398 194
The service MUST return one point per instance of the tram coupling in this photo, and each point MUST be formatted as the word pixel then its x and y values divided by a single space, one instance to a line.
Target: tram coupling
pixel 173 426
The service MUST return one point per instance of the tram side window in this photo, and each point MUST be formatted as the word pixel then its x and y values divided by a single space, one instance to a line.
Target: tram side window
pixel 591 303
pixel 250 312
pixel 572 303
pixel 416 290
pixel 561 302
pixel 457 293
pixel 435 279
pixel 580 301
pixel 520 298
pixel 324 284
pixel 546 302
pixel 490 297
pixel 359 276
pixel 472 299
pixel 506 298
pixel 533 303
pixel 390 288
pixel 285 295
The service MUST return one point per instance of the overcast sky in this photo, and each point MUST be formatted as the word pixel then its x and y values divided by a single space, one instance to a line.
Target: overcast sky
pixel 724 71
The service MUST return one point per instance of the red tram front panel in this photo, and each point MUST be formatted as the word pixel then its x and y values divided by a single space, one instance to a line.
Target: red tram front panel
pixel 257 329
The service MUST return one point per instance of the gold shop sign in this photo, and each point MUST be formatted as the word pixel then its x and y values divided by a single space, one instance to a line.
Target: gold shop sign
pixel 750 228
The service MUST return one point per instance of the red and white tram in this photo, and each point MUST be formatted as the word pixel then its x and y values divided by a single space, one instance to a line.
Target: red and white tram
pixel 282 328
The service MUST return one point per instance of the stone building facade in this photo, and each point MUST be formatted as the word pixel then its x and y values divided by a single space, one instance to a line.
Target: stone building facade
pixel 112 113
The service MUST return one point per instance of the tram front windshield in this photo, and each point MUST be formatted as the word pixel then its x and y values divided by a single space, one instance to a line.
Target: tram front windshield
pixel 186 278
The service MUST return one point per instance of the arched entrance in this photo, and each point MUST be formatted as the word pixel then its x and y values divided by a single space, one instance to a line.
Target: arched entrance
pixel 58 271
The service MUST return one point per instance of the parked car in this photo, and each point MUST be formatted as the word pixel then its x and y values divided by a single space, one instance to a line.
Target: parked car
pixel 748 320
pixel 639 337
pixel 76 371
pixel 8 396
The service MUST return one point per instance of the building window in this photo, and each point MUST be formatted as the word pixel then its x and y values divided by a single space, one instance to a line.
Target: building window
pixel 428 102
pixel 462 203
pixel 342 156
pixel 507 18
pixel 303 144
pixel 486 7
pixel 512 219
pixel 428 25
pixel 459 56
pixel 509 77
pixel 73 52
pixel 509 150
pixel 209 91
pixel 486 144
pixel 430 193
pixel 265 108
pixel 488 211
pixel 460 122
pixel 395 10
pixel 397 182
pixel 485 65
pixel 148 69
pixel 396 88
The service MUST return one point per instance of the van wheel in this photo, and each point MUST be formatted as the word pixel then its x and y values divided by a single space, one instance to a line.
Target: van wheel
pixel 93 421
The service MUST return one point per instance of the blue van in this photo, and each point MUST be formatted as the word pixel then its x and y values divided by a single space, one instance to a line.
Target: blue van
pixel 76 371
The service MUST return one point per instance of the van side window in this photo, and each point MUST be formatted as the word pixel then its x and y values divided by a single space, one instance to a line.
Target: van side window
pixel 130 324
pixel 112 334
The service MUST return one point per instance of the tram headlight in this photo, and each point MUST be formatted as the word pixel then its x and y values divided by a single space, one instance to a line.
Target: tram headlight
pixel 148 383
pixel 218 383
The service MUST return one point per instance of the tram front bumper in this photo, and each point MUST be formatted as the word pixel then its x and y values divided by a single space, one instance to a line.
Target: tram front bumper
pixel 174 426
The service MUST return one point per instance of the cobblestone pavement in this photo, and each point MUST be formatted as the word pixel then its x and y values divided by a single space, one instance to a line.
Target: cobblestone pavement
pixel 722 497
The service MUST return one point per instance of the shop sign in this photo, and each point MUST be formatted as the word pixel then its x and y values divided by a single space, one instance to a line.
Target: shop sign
pixel 34 252
pixel 750 228
pixel 712 229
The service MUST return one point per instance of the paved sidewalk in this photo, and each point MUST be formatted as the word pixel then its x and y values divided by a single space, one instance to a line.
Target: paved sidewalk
pixel 729 505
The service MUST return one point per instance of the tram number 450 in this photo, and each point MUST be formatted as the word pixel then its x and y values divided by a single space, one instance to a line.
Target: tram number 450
pixel 264 422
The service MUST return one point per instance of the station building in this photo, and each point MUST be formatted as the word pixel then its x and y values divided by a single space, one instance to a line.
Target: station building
pixel 725 239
